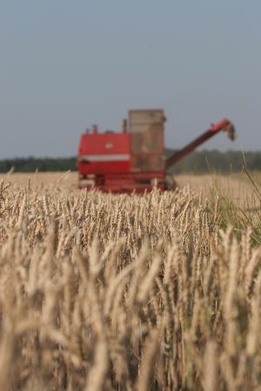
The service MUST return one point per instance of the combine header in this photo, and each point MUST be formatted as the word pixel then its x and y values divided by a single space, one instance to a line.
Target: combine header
pixel 134 159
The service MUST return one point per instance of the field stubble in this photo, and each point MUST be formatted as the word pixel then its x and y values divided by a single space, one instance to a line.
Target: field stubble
pixel 102 292
pixel 235 186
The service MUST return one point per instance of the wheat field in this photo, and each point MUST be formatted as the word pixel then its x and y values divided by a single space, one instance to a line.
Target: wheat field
pixel 127 292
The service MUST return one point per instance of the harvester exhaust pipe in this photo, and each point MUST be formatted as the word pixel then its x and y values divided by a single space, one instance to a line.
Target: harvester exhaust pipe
pixel 124 126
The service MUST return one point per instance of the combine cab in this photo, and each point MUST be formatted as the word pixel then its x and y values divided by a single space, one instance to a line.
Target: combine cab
pixel 134 159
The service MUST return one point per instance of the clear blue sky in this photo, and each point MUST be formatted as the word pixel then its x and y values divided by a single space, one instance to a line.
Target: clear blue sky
pixel 68 64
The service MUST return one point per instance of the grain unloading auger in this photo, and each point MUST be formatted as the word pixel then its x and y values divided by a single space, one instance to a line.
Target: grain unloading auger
pixel 133 160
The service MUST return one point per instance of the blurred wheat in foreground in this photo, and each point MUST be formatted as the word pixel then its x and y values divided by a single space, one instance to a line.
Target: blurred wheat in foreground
pixel 101 292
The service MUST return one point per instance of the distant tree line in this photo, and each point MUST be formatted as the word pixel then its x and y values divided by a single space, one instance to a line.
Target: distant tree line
pixel 197 162
pixel 32 164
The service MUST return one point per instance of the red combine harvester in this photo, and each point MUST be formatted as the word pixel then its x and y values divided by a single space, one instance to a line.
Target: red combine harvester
pixel 134 159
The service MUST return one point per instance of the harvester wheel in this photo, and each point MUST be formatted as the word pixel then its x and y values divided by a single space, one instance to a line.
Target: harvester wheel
pixel 171 184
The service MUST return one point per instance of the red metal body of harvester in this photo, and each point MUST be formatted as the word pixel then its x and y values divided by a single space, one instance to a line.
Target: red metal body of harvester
pixel 133 160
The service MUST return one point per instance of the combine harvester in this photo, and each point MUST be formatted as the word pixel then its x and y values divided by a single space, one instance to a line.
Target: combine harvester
pixel 133 160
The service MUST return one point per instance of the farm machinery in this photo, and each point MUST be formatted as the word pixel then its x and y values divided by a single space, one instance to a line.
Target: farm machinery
pixel 133 160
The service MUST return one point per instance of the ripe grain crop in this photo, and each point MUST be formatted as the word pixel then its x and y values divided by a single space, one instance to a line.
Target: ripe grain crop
pixel 126 292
